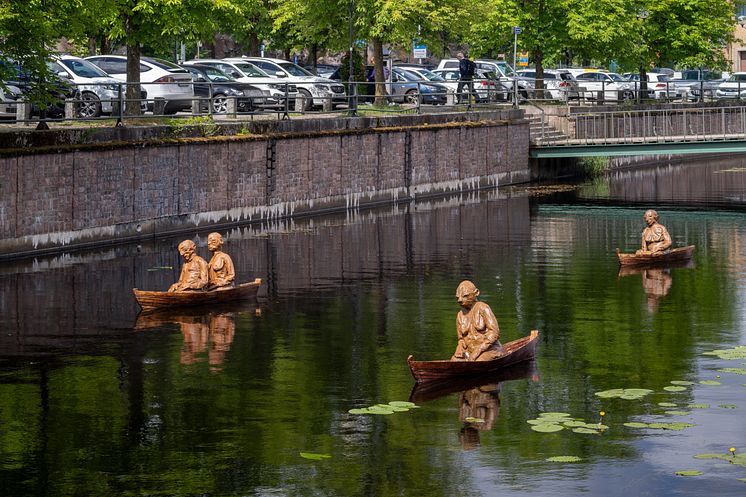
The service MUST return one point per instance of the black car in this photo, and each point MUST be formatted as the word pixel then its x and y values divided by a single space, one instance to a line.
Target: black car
pixel 214 87
pixel 52 90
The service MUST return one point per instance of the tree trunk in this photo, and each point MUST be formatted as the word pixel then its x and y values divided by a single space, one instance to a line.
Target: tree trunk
pixel 132 95
pixel 254 45
pixel 539 85
pixel 643 94
pixel 92 45
pixel 105 45
pixel 314 55
pixel 377 45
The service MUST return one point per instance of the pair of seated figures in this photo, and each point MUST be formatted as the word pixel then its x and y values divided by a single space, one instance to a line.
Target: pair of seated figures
pixel 197 275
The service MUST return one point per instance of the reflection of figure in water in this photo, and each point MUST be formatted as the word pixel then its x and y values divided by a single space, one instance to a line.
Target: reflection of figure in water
pixel 217 330
pixel 655 237
pixel 482 403
pixel 221 273
pixel 222 330
pixel 476 327
pixel 657 284
pixel 194 271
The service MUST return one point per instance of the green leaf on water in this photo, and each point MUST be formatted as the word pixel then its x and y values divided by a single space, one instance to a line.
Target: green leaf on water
pixel 547 427
pixel 473 420
pixel 681 382
pixel 399 409
pixel 709 382
pixel 689 472
pixel 608 394
pixel 674 389
pixel 733 370
pixel 573 423
pixel 730 354
pixel 667 404
pixel 358 411
pixel 698 406
pixel 314 457
pixel 401 403
pixel 677 413
pixel 564 459
pixel 554 415
pixel 742 479
pixel 728 406
pixel 635 424
pixel 724 457
pixel 582 429
pixel 670 426
pixel 624 393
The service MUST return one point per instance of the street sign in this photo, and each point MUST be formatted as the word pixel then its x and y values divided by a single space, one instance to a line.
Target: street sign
pixel 420 51
pixel 523 58
pixel 517 30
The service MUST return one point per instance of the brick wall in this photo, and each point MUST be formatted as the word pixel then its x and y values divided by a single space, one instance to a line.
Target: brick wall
pixel 53 200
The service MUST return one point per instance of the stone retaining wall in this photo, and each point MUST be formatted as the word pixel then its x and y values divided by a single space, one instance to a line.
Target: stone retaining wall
pixel 83 191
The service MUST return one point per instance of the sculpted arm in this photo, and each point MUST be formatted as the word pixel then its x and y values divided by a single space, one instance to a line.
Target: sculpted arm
pixel 487 323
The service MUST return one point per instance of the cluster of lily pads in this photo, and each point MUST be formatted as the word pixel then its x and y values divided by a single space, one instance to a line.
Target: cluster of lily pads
pixel 384 409
pixel 624 393
pixel 733 354
pixel 549 422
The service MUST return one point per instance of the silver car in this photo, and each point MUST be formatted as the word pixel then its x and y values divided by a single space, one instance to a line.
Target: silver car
pixel 8 101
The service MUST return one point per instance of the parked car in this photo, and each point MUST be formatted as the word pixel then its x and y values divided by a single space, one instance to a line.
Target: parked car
pixel 699 84
pixel 159 78
pixel 214 88
pixel 659 86
pixel 54 91
pixel 605 85
pixel 559 84
pixel 427 75
pixel 9 101
pixel 733 87
pixel 245 72
pixel 503 71
pixel 487 86
pixel 324 70
pixel 97 89
pixel 407 87
pixel 313 89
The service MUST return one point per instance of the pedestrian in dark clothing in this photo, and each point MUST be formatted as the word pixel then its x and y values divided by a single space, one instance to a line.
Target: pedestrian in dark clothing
pixel 466 69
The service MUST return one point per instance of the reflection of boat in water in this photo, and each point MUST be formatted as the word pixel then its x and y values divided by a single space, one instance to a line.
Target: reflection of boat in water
pixel 155 300
pixel 674 255
pixel 478 400
pixel 514 352
pixel 656 280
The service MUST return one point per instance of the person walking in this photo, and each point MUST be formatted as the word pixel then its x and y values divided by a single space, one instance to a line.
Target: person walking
pixel 466 69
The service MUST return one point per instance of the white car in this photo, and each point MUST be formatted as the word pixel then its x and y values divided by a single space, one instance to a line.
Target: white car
pixel 559 84
pixel 486 88
pixel 428 75
pixel 733 87
pixel 9 101
pixel 159 78
pixel 502 71
pixel 313 89
pixel 97 89
pixel 660 86
pixel 610 85
pixel 245 72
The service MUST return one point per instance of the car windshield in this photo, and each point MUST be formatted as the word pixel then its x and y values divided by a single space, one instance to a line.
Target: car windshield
pixel 409 76
pixel 663 77
pixel 294 69
pixel 430 76
pixel 615 77
pixel 737 77
pixel 506 69
pixel 251 70
pixel 163 64
pixel 83 68
pixel 216 75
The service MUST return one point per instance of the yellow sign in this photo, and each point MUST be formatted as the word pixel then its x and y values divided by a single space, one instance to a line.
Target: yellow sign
pixel 523 58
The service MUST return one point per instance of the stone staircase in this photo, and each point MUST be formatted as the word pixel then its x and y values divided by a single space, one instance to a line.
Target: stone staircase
pixel 551 134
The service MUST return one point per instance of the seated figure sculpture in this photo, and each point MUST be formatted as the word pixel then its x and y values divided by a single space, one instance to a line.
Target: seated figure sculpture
pixel 655 237
pixel 476 327
pixel 221 271
pixel 193 276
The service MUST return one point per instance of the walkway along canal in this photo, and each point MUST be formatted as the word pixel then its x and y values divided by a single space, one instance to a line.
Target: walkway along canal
pixel 61 190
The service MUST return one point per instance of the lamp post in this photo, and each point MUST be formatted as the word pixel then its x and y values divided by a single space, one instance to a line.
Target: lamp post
pixel 351 79
pixel 641 15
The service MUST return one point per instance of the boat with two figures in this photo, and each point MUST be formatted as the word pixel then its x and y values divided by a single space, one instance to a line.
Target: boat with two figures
pixel 517 351
pixel 158 300
pixel 677 255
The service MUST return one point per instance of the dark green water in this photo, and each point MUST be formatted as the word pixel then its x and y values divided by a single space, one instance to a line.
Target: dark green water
pixel 96 402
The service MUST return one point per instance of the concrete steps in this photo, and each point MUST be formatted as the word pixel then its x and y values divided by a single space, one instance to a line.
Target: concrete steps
pixel 551 135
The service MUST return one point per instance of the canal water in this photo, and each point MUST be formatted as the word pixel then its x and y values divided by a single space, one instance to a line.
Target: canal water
pixel 254 399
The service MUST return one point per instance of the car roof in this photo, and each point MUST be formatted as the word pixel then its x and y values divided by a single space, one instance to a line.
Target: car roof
pixel 270 59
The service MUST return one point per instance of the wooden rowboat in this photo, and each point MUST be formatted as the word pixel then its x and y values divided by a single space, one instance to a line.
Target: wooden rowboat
pixel 514 352
pixel 157 300
pixel 674 255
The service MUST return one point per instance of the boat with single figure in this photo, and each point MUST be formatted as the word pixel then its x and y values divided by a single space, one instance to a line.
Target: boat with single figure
pixel 680 254
pixel 514 352
pixel 157 300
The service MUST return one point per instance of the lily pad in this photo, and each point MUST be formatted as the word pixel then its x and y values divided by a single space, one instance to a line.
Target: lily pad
pixel 473 420
pixel 670 426
pixel 724 457
pixel 583 429
pixel 608 394
pixel 742 479
pixel 728 406
pixel 709 382
pixel 677 413
pixel 689 472
pixel 564 459
pixel 314 457
pixel 698 406
pixel 729 354
pixel 673 388
pixel 401 403
pixel 554 415
pixel 547 427
pixel 733 370
pixel 667 404
pixel 636 424
pixel 363 410
pixel 573 423
pixel 624 393
pixel 681 382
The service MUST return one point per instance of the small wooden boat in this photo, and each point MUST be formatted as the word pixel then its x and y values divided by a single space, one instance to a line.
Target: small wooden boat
pixel 157 300
pixel 674 255
pixel 514 352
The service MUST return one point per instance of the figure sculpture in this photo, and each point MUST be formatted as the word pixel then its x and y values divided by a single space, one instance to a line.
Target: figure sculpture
pixel 478 410
pixel 193 276
pixel 221 271
pixel 476 327
pixel 655 237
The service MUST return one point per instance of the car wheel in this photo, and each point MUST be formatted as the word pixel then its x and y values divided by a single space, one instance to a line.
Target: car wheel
pixel 411 97
pixel 628 95
pixel 307 100
pixel 220 104
pixel 89 105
